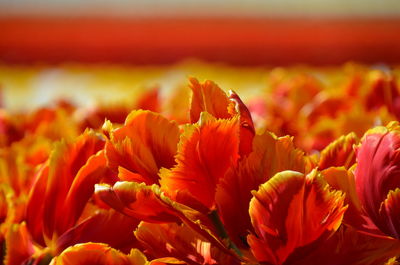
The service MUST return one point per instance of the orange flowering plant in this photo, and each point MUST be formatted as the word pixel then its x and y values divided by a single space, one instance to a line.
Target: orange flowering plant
pixel 228 184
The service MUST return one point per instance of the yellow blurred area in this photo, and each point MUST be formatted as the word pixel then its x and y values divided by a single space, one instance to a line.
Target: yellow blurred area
pixel 27 87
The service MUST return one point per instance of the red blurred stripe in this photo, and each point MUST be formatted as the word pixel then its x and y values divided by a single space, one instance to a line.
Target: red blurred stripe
pixel 241 41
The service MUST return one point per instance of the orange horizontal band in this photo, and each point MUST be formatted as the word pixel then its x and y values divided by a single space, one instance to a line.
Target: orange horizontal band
pixel 242 41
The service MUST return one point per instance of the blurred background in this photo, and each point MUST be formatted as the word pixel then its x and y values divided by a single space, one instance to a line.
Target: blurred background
pixel 253 32
pixel 98 46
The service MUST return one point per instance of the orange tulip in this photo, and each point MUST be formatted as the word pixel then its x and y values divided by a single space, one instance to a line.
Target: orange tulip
pixel 58 212
pixel 270 155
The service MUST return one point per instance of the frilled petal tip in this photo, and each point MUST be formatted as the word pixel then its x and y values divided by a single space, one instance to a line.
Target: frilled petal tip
pixel 208 97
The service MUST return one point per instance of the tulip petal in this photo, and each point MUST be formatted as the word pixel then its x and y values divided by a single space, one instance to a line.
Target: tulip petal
pixel 208 97
pixel 68 162
pixel 146 142
pixel 383 91
pixel 35 205
pixel 339 153
pixel 290 211
pixel 82 189
pixel 104 226
pixel 390 213
pixel 136 200
pixel 247 130
pixel 99 254
pixel 147 203
pixel 348 246
pixel 342 179
pixel 270 155
pixel 163 240
pixel 126 175
pixel 4 208
pixel 181 242
pixel 206 151
pixel 19 247
pixel 378 170
pixel 165 261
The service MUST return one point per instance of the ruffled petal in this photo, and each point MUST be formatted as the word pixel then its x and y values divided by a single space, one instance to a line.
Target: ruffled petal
pixel 206 151
pixel 99 254
pixel 339 153
pixel 290 211
pixel 208 97
pixel 270 155
pixel 146 142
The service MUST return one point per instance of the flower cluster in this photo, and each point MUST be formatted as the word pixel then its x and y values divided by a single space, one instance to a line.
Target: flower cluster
pixel 223 186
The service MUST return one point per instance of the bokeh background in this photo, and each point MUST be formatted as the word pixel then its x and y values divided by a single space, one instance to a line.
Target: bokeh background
pixel 99 50
pixel 165 31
